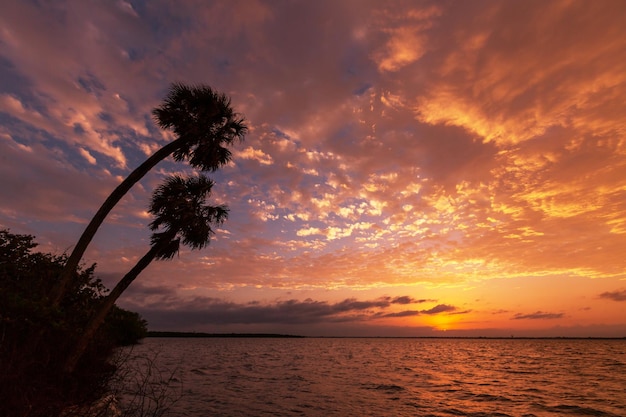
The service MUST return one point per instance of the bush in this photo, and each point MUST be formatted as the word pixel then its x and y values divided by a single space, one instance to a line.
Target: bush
pixel 36 338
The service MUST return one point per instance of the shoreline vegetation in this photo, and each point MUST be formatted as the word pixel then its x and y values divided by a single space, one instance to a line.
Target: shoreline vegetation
pixel 37 337
pixel 173 334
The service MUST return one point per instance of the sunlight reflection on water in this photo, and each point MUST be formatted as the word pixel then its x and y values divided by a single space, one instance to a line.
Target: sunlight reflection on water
pixel 399 377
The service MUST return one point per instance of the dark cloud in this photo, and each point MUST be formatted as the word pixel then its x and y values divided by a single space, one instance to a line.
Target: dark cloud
pixel 500 311
pixel 461 312
pixel 538 315
pixel 405 313
pixel 619 295
pixel 208 310
pixel 410 300
pixel 441 308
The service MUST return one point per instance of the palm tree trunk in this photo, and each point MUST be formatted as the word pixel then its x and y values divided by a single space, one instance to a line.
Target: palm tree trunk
pixel 107 303
pixel 90 231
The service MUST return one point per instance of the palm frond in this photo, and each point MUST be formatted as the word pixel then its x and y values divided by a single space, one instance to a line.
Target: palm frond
pixel 182 215
pixel 206 122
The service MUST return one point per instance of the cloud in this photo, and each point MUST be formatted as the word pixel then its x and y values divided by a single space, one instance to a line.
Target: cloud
pixel 62 182
pixel 405 313
pixel 441 308
pixel 157 301
pixel 538 315
pixel 618 295
pixel 409 300
pixel 406 42
pixel 89 157
pixel 491 83
pixel 256 155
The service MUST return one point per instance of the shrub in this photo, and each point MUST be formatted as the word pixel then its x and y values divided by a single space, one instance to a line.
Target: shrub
pixel 35 337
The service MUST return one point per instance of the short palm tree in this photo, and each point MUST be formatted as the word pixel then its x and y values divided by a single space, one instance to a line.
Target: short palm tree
pixel 180 216
pixel 204 124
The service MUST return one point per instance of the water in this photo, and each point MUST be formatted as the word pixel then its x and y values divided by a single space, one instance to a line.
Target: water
pixel 389 377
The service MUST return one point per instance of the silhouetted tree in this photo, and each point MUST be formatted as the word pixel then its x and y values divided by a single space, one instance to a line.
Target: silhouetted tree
pixel 180 215
pixel 203 122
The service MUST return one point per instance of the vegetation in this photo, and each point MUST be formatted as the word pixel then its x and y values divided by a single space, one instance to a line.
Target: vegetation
pixel 180 215
pixel 143 389
pixel 203 122
pixel 35 337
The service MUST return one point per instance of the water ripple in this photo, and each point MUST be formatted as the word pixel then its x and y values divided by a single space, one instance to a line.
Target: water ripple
pixel 394 377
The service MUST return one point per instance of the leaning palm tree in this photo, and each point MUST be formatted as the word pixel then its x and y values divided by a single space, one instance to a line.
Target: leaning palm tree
pixel 180 216
pixel 203 122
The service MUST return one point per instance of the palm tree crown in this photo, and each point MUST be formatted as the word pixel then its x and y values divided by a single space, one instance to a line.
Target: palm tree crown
pixel 204 120
pixel 181 215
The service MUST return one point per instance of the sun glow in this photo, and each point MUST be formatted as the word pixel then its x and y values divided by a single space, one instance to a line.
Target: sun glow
pixel 442 322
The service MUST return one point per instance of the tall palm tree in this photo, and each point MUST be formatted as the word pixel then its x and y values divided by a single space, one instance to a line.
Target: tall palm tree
pixel 180 215
pixel 203 122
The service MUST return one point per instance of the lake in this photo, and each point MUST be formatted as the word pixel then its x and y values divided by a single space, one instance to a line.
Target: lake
pixel 379 377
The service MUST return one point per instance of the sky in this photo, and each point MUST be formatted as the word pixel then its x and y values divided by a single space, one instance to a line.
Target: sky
pixel 412 168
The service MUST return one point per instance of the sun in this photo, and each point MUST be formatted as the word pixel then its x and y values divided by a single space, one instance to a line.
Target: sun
pixel 442 323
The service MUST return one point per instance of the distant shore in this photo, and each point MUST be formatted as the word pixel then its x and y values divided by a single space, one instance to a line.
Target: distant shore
pixel 200 334
pixel 276 335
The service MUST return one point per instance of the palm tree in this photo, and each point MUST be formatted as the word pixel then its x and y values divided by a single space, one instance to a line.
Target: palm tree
pixel 180 215
pixel 203 122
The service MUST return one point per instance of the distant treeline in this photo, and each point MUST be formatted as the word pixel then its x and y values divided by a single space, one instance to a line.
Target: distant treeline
pixel 199 334
pixel 274 335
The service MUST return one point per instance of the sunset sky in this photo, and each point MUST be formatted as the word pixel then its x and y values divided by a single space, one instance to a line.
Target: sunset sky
pixel 412 168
